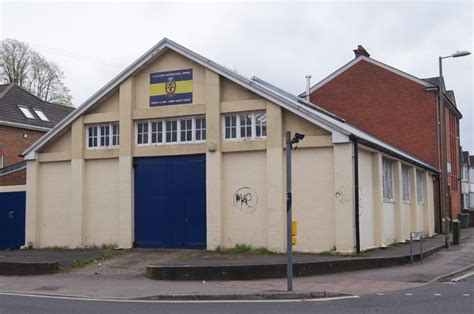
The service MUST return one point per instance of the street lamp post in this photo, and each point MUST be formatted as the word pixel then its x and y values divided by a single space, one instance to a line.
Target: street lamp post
pixel 444 167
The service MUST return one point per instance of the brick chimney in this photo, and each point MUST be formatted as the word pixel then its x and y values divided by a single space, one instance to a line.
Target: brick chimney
pixel 360 51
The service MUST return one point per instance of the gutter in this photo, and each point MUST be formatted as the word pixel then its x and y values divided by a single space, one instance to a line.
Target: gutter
pixel 355 157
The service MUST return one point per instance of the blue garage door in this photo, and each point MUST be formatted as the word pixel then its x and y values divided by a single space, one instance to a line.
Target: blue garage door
pixel 12 220
pixel 170 202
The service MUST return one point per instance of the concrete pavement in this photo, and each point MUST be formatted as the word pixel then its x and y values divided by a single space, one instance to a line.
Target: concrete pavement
pixel 138 287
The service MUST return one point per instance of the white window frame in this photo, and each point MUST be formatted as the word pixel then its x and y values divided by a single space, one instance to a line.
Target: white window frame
pixel 26 112
pixel 164 131
pixel 419 187
pixel 465 173
pixel 41 114
pixel 99 136
pixel 202 130
pixel 465 201
pixel 238 135
pixel 387 179
pixel 1 161
pixel 406 184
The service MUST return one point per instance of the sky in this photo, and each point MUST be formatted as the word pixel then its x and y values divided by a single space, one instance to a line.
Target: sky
pixel 279 41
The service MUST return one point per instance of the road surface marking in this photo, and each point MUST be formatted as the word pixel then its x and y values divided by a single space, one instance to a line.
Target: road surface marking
pixel 408 294
pixel 175 301
pixel 380 294
pixel 466 294
pixel 469 274
pixel 437 294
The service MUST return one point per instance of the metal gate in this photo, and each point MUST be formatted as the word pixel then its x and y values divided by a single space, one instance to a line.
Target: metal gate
pixel 12 220
pixel 170 202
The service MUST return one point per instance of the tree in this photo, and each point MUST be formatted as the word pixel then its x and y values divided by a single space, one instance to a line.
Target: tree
pixel 21 65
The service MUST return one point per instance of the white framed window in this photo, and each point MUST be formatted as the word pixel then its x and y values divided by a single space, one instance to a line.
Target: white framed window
pixel 419 186
pixel 92 134
pixel 465 201
pixel 1 161
pixel 244 125
pixel 115 134
pixel 230 127
pixel 26 112
pixel 406 184
pixel 200 129
pixel 142 132
pixel 186 130
pixel 41 114
pixel 387 166
pixel 171 131
pixel 261 124
pixel 156 132
pixel 103 136
pixel 465 173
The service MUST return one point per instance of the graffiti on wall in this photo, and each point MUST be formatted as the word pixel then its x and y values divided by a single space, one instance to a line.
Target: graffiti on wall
pixel 246 199
pixel 343 194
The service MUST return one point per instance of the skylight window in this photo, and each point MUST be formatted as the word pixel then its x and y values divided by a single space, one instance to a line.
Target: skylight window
pixel 26 112
pixel 41 114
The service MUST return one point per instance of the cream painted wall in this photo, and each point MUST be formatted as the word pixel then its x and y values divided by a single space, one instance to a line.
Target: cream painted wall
pixel 419 215
pixel 110 104
pixel 101 222
pixel 241 224
pixel 230 91
pixel 294 123
pixel 313 199
pixel 61 144
pixel 366 201
pixel 13 188
pixel 389 222
pixel 54 192
pixel 407 227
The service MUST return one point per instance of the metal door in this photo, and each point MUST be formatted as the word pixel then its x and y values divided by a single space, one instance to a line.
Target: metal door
pixel 170 202
pixel 12 220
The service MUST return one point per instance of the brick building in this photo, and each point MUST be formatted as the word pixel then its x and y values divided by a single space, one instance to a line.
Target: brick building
pixel 399 108
pixel 24 118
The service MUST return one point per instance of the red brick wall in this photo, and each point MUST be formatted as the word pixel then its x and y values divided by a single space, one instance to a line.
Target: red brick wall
pixel 391 107
pixel 13 143
pixel 14 178
pixel 396 110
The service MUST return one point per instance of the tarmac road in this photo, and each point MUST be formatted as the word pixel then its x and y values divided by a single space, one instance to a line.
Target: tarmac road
pixel 437 297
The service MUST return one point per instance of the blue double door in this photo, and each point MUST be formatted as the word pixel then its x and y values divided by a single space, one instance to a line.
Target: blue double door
pixel 170 202
pixel 12 220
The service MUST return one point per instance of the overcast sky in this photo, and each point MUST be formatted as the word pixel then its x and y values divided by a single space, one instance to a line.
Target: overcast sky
pixel 277 41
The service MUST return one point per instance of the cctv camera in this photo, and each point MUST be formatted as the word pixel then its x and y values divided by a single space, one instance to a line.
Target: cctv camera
pixel 299 136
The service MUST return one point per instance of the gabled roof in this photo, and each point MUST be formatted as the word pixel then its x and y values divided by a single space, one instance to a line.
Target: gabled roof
pixel 13 96
pixel 449 94
pixel 465 158
pixel 372 61
pixel 346 128
pixel 340 130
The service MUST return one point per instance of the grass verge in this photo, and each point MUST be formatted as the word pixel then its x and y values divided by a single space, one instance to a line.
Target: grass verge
pixel 96 259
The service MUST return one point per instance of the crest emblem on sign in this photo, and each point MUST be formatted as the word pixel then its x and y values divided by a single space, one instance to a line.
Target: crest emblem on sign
pixel 170 87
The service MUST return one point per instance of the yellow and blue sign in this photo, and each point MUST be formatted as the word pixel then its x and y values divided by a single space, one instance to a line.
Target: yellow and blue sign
pixel 171 87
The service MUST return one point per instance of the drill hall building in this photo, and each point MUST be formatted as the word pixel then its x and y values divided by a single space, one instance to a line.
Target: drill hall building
pixel 180 152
